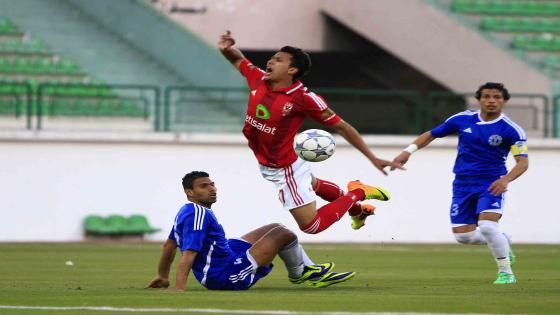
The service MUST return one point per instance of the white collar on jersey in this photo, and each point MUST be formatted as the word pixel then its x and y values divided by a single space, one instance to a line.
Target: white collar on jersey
pixel 482 122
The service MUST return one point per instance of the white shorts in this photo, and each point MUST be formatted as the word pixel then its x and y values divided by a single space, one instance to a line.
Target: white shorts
pixel 293 183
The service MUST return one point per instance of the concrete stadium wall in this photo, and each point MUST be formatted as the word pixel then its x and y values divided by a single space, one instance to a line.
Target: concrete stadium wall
pixel 49 183
pixel 437 45
pixel 256 24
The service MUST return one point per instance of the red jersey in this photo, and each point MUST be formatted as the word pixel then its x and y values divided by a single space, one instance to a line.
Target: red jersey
pixel 274 117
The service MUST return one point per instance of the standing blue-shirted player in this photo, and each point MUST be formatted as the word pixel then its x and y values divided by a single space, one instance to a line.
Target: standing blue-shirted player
pixel 219 263
pixel 481 178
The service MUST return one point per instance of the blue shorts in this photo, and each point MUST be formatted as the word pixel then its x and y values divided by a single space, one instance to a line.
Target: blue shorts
pixel 470 200
pixel 242 271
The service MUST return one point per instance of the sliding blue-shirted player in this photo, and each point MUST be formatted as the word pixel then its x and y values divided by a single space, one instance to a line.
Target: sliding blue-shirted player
pixel 219 263
pixel 486 137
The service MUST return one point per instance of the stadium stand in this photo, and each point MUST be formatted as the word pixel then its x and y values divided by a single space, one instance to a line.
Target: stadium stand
pixel 114 58
pixel 23 59
pixel 531 27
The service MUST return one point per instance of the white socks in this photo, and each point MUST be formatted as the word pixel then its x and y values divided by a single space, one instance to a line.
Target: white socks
pixel 306 260
pixel 473 237
pixel 292 256
pixel 497 243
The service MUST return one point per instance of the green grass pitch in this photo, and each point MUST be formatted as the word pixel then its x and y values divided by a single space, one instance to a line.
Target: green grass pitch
pixel 391 278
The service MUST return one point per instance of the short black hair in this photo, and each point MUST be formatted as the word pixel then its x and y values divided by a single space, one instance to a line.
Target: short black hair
pixel 190 177
pixel 493 86
pixel 300 60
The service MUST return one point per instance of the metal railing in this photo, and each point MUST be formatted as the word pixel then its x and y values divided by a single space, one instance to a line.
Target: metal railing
pixel 376 107
pixel 134 96
pixel 370 111
pixel 19 94
pixel 233 101
pixel 555 116
pixel 539 113
pixel 203 102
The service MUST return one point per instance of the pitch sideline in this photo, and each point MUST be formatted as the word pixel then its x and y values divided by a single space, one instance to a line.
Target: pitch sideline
pixel 203 310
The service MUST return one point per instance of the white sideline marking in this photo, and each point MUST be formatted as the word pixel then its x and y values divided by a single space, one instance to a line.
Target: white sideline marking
pixel 202 310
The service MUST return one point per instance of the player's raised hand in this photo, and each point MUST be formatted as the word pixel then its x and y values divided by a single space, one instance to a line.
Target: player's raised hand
pixel 225 41
pixel 499 186
pixel 400 161
pixel 158 282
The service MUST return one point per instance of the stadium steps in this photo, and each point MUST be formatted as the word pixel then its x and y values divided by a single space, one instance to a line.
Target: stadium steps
pixel 33 61
pixel 437 39
pixel 71 33
pixel 513 7
pixel 532 28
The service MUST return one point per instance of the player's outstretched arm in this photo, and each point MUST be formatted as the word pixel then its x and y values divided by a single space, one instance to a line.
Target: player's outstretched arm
pixel 500 185
pixel 354 138
pixel 165 261
pixel 183 269
pixel 226 45
pixel 420 142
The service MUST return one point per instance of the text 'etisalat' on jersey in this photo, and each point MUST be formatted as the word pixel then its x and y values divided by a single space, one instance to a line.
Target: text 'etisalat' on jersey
pixel 483 145
pixel 274 117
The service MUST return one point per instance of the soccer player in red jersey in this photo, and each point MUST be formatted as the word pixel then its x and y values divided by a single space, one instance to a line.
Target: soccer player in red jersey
pixel 278 104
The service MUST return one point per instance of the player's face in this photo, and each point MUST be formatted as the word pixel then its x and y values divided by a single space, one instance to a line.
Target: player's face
pixel 204 192
pixel 278 67
pixel 491 101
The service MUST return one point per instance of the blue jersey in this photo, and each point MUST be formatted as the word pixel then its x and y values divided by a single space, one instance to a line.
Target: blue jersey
pixel 197 229
pixel 483 145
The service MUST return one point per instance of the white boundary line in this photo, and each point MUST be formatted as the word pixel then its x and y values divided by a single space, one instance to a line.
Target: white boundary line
pixel 202 310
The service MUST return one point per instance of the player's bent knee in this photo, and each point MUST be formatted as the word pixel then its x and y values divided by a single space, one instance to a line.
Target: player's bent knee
pixel 274 226
pixel 463 238
pixel 488 227
pixel 280 229
pixel 307 230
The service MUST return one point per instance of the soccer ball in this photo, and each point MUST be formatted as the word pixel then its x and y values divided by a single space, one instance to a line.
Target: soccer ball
pixel 314 145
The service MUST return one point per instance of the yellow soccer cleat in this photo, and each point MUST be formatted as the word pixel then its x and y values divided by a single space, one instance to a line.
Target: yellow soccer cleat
pixel 332 278
pixel 360 220
pixel 313 272
pixel 371 192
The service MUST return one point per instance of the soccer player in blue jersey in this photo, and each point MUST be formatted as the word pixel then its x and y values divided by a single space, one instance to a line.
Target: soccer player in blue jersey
pixel 219 263
pixel 486 137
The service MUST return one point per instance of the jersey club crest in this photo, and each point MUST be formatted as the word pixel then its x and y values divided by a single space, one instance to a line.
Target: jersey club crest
pixel 287 108
pixel 495 140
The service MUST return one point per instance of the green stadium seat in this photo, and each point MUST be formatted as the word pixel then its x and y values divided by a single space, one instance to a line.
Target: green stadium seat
pixel 5 65
pixel 117 225
pixel 66 66
pixel 30 58
pixel 34 46
pixel 509 24
pixel 514 7
pixel 138 224
pixel 129 108
pixel 43 65
pixel 116 222
pixel 83 108
pixel 542 42
pixel 23 65
pixel 552 62
pixel 8 106
pixel 7 27
pixel 466 6
pixel 95 224
pixel 106 108
pixel 61 107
